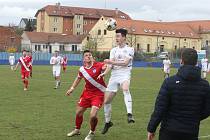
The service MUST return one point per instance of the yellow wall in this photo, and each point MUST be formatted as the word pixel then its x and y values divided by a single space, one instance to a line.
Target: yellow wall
pixel 38 28
pixel 105 42
pixel 78 19
pixel 55 22
pixel 50 23
pixel 108 41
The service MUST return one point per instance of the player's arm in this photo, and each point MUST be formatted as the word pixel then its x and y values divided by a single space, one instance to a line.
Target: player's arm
pixel 118 63
pixel 106 71
pixel 51 61
pixel 74 85
pixel 18 63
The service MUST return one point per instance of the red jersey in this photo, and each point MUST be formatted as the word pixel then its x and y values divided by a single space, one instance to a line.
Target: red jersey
pixel 26 60
pixel 94 72
pixel 65 61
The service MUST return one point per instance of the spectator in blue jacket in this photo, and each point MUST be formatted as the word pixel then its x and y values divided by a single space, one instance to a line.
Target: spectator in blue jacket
pixel 182 103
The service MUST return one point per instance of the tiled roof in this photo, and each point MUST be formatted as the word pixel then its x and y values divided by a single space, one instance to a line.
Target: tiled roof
pixel 67 11
pixel 157 28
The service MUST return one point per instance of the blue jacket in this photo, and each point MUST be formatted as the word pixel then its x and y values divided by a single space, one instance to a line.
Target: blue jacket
pixel 183 101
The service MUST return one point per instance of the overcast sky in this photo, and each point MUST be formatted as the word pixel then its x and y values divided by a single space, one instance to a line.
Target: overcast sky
pixel 11 11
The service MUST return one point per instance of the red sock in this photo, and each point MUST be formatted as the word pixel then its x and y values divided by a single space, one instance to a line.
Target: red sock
pixel 78 121
pixel 26 83
pixel 93 124
pixel 23 82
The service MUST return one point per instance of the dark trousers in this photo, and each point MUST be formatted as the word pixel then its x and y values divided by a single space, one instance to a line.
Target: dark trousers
pixel 172 135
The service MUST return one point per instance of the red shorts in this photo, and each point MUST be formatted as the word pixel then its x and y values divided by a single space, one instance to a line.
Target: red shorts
pixel 89 99
pixel 25 74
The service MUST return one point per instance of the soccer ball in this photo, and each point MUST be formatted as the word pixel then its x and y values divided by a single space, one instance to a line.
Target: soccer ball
pixel 111 24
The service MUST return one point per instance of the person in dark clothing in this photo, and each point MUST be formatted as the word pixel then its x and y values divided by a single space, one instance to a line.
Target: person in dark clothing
pixel 183 101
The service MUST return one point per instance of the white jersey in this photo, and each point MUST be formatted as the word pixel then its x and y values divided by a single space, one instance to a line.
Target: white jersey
pixel 204 63
pixel 12 60
pixel 166 65
pixel 121 54
pixel 56 62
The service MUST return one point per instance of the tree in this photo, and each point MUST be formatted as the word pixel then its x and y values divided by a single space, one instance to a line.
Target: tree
pixel 29 26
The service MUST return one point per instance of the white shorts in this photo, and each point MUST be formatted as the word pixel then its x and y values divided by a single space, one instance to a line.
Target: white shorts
pixel 167 70
pixel 204 69
pixel 115 82
pixel 56 72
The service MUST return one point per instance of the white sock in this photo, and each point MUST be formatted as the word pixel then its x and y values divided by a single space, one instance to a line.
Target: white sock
pixel 107 112
pixel 128 101
pixel 204 75
pixel 56 83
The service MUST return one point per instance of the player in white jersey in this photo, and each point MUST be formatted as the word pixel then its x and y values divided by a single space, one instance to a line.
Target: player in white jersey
pixel 56 62
pixel 12 61
pixel 120 64
pixel 166 67
pixel 204 63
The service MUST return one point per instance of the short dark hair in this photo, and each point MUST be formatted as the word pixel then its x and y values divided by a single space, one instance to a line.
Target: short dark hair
pixel 24 50
pixel 189 56
pixel 122 31
pixel 86 51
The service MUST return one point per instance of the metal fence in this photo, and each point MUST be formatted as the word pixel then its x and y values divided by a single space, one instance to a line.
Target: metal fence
pixel 41 56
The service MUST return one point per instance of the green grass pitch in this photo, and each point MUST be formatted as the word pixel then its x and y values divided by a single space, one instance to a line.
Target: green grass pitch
pixel 43 113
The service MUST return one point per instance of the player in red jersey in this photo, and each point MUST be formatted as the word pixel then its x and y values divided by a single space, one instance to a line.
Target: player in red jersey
pixel 25 71
pixel 92 95
pixel 64 64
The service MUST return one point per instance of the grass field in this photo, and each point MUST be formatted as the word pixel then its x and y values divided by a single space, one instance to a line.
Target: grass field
pixel 43 113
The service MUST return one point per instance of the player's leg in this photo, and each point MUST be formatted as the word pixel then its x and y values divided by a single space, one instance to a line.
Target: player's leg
pixel 26 80
pixel 204 74
pixel 78 121
pixel 57 79
pixel 23 80
pixel 128 100
pixel 107 110
pixel 93 122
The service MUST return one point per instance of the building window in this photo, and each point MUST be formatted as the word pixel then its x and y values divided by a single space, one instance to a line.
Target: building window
pixel 148 47
pixel 105 32
pixel 55 29
pixel 78 25
pixel 55 19
pixel 99 32
pixel 78 33
pixel 74 48
pixel 91 21
pixel 175 47
pixel 193 47
pixel 207 42
pixel 78 17
pixel 163 38
pixel 61 48
pixel 184 47
pixel 37 47
pixel 138 47
pixel 185 39
pixel 85 22
pixel 85 31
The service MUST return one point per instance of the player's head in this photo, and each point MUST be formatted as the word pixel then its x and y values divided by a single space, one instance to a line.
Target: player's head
pixel 87 56
pixel 56 53
pixel 121 36
pixel 167 57
pixel 29 53
pixel 189 57
pixel 24 52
